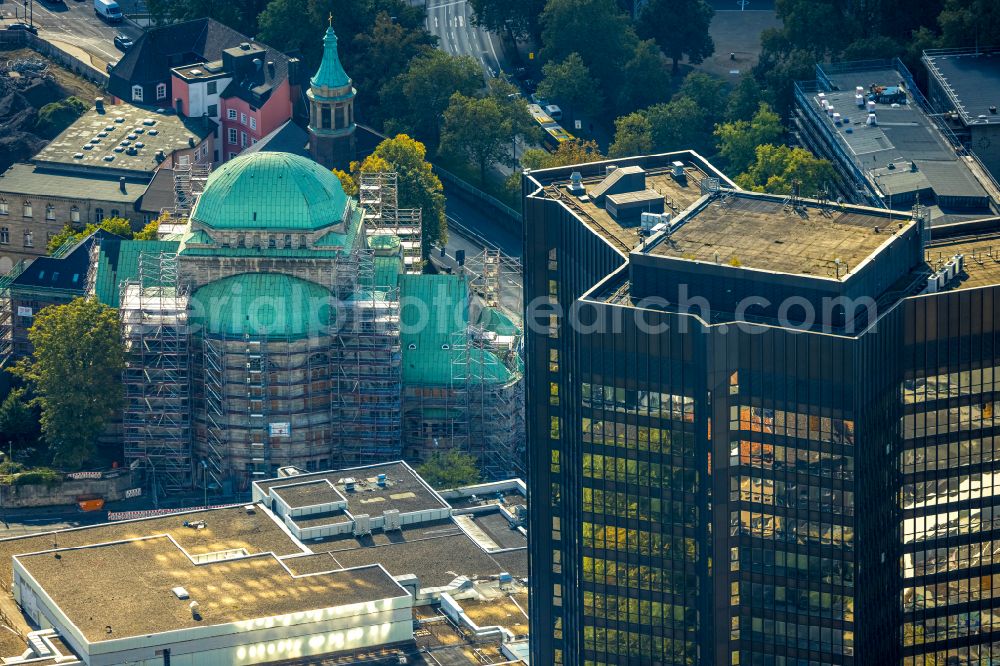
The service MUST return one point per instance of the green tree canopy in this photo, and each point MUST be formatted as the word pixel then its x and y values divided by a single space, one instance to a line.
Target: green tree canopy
pixel 645 78
pixel 745 99
pixel 449 469
pixel 18 420
pixel 570 83
pixel 118 226
pixel 680 27
pixel 776 169
pixel 75 375
pixel 419 186
pixel 597 30
pixel 679 125
pixel 633 136
pixel 477 129
pixel 519 17
pixel 422 93
pixel 737 141
pixel 569 152
pixel 54 117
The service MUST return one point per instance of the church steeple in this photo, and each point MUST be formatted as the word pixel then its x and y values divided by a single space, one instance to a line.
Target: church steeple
pixel 331 108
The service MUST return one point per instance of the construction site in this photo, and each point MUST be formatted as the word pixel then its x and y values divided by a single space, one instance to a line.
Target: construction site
pixel 296 328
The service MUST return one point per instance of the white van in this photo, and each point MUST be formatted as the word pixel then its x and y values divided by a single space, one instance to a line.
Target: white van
pixel 108 10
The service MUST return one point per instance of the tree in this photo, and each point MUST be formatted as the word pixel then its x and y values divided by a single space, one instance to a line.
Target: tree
pixel 478 130
pixel 970 23
pixel 118 226
pixel 678 125
pixel 381 53
pixel 738 140
pixel 75 374
pixel 419 187
pixel 54 117
pixel 347 182
pixel 777 169
pixel 422 93
pixel 633 136
pixel 449 469
pixel 151 231
pixel 680 27
pixel 822 27
pixel 745 99
pixel 645 78
pixel 18 421
pixel 708 92
pixel 569 152
pixel 597 30
pixel 570 83
pixel 518 17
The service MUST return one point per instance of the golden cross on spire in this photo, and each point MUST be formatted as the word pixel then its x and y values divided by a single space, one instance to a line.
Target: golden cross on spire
pixel 331 19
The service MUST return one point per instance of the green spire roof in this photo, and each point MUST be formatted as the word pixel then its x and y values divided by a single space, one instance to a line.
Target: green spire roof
pixel 270 305
pixel 331 73
pixel 267 190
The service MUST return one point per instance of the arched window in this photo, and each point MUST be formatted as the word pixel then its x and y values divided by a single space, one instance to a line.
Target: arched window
pixel 74 214
pixel 50 212
pixel 29 239
pixel 3 207
pixel 161 91
pixel 27 209
pixel 136 93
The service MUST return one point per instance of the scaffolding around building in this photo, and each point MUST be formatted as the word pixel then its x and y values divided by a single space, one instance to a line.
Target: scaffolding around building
pixel 189 183
pixel 496 279
pixel 7 312
pixel 368 363
pixel 488 400
pixel 156 416
pixel 378 193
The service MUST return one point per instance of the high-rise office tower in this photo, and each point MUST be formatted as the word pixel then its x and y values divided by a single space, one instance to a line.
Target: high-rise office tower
pixel 760 428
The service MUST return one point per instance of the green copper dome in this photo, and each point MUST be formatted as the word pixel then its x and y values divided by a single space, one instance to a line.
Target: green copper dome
pixel 266 190
pixel 270 305
pixel 331 73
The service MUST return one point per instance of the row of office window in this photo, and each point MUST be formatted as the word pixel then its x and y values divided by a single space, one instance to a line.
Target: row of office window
pixel 950 385
pixel 803 637
pixel 791 495
pixel 802 566
pixel 642 542
pixel 790 530
pixel 601 571
pixel 28 211
pixel 930 561
pixel 791 459
pixel 951 455
pixel 791 424
pixel 637 438
pixel 28 238
pixel 944 627
pixel 633 644
pixel 641 403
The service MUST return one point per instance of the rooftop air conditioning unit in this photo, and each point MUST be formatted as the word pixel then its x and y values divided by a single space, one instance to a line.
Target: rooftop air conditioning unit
pixel 362 525
pixel 392 521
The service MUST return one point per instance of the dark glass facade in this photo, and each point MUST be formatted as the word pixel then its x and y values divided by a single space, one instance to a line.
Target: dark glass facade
pixel 707 493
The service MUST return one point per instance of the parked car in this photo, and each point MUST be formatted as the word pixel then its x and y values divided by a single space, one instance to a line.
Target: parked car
pixel 24 27
pixel 108 10
pixel 123 42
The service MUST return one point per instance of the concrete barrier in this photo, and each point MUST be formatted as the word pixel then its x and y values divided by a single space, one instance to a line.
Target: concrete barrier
pixel 65 493
pixel 15 39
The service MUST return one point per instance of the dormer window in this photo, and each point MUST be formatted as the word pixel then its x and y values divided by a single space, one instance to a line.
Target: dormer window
pixel 302 241
pixel 288 241
pixel 272 242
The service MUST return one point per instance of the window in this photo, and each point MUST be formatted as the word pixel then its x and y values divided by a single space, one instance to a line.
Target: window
pixel 232 155
pixel 243 139
pixel 232 135
pixel 243 119
pixel 98 215
pixel 26 209
pixel 253 123
pixel 50 212
pixel 146 219
pixel 136 93
pixel 161 91
pixel 74 214
pixel 252 141
pixel 213 110
pixel 231 114
pixel 4 236
pixel 324 114
pixel 29 239
pixel 115 213
pixel 3 206
pixel 213 88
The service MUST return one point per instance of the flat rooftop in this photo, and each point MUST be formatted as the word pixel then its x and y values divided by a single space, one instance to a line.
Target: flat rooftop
pixel 404 489
pixel 224 529
pixel 972 78
pixel 436 554
pixel 86 583
pixel 678 194
pixel 923 160
pixel 310 493
pixel 982 259
pixel 766 233
pixel 103 140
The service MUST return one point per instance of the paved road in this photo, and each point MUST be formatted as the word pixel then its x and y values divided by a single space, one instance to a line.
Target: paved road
pixel 73 22
pixel 451 22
